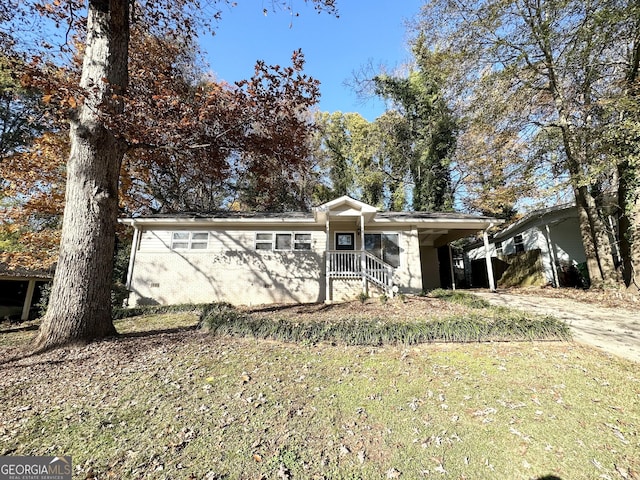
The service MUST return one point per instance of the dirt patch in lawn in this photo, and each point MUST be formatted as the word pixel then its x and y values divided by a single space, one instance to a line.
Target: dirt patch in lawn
pixel 401 308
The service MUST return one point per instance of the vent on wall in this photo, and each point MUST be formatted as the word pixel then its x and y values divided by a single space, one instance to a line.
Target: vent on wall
pixel 154 285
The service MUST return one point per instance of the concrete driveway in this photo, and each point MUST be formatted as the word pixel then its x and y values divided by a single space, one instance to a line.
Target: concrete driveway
pixel 614 330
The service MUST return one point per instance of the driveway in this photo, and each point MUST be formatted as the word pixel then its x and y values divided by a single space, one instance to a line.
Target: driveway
pixel 614 330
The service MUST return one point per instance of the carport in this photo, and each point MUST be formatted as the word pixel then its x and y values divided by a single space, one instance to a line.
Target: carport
pixel 20 291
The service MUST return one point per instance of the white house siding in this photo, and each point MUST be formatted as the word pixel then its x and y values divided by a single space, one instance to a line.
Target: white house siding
pixel 232 268
pixel 229 270
pixel 566 237
pixel 478 253
pixel 564 242
pixel 409 275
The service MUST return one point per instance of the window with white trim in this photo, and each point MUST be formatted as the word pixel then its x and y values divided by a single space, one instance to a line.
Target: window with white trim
pixel 189 240
pixel 302 241
pixel 385 246
pixel 283 241
pixel 264 241
pixel 498 248
pixel 519 243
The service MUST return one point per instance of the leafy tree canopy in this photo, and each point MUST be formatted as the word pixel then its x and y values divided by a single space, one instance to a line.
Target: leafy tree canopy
pixel 107 120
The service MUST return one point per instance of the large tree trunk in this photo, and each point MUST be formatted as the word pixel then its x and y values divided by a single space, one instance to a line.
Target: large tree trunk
pixel 595 238
pixel 629 185
pixel 593 267
pixel 80 303
pixel 602 239
pixel 633 233
pixel 629 224
pixel 596 241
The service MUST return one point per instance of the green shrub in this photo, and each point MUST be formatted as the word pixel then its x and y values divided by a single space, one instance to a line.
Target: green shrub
pixel 363 297
pixel 220 317
pixel 499 325
pixel 43 303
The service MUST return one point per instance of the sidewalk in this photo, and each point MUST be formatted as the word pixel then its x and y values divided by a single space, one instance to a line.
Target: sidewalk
pixel 614 330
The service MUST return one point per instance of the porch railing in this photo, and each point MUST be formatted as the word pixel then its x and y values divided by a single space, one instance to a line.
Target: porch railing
pixel 359 264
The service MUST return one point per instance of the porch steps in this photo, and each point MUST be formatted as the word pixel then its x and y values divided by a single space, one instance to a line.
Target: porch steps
pixel 360 264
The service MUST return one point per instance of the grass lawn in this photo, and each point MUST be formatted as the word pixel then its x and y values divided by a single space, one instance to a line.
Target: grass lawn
pixel 166 401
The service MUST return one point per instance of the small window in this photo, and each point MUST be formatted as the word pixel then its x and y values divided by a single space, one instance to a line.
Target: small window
pixel 283 241
pixel 302 241
pixel 190 240
pixel 180 240
pixel 498 248
pixel 519 243
pixel 264 241
pixel 199 240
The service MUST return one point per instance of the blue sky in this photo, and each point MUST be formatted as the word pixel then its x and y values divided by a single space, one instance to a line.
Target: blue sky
pixel 367 31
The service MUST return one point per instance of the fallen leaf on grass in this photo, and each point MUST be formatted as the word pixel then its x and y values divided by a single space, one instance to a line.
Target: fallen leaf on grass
pixel 440 469
pixel 393 473
pixel 283 473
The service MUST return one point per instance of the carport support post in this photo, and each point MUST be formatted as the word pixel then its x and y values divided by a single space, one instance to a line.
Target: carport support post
pixel 363 261
pixel 27 300
pixel 487 257
pixel 453 272
pixel 327 266
pixel 552 257
pixel 135 244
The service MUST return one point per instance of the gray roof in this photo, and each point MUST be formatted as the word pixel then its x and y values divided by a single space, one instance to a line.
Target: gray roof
pixel 226 214
pixel 432 215
pixel 533 215
pixel 536 214
pixel 309 215
pixel 22 272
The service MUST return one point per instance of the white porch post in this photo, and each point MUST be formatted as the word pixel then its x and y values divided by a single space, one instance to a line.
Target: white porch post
pixel 327 279
pixel 487 257
pixel 27 300
pixel 363 264
pixel 132 257
pixel 453 272
pixel 552 257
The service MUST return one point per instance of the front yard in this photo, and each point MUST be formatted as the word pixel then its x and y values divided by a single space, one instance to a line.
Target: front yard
pixel 169 401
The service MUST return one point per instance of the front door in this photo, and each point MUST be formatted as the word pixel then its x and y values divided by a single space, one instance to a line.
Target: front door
pixel 346 262
pixel 345 241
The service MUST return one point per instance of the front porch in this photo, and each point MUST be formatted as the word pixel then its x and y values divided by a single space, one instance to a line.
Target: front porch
pixel 362 266
pixel 383 253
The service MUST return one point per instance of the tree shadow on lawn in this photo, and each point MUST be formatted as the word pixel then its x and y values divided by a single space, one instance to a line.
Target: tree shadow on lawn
pixel 292 307
pixel 154 337
pixel 154 332
pixel 20 328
